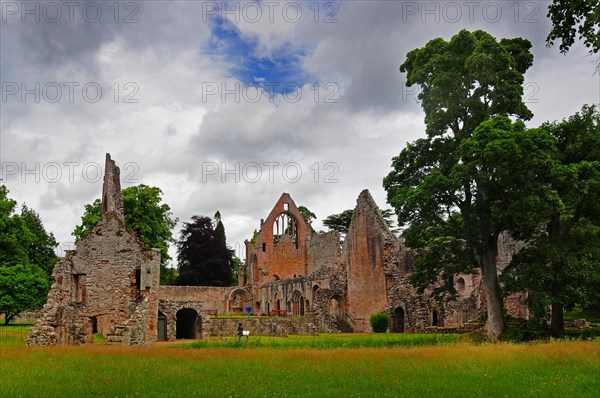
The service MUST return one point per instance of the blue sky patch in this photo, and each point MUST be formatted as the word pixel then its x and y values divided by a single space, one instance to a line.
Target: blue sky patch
pixel 281 72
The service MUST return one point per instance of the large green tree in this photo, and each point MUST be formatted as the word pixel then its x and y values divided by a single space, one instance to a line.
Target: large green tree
pixel 575 18
pixel 12 232
pixel 26 251
pixel 145 213
pixel 203 256
pixel 22 287
pixel 457 189
pixel 40 244
pixel 561 267
pixel 308 216
pixel 220 227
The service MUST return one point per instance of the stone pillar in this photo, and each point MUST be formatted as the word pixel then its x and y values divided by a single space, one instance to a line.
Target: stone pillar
pixel 112 200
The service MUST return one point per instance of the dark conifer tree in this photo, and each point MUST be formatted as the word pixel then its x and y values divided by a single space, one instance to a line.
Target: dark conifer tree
pixel 203 257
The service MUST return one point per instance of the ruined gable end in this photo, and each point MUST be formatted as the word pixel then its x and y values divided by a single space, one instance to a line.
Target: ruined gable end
pixel 107 285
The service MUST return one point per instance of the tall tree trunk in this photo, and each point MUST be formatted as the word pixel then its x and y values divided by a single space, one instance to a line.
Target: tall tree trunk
pixel 557 324
pixel 488 251
pixel 495 321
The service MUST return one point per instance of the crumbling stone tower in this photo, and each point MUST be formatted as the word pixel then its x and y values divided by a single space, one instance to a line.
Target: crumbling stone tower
pixel 369 254
pixel 106 285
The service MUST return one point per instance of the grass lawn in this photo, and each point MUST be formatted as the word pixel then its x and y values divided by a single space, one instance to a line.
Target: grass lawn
pixel 330 341
pixel 452 369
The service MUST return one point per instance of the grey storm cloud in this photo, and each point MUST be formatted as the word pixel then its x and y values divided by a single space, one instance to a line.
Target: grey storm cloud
pixel 172 131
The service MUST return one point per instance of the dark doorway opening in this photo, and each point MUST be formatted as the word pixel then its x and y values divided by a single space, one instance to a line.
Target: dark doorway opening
pixel 187 324
pixel 94 322
pixel 162 327
pixel 398 320
pixel 435 319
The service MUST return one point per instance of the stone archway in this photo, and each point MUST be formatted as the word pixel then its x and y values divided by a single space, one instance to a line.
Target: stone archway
pixel 257 308
pixel 315 290
pixel 297 303
pixel 171 309
pixel 335 307
pixel 398 320
pixel 188 324
pixel 238 300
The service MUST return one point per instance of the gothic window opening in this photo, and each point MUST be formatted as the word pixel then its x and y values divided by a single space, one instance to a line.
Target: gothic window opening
pixel 460 286
pixel 285 224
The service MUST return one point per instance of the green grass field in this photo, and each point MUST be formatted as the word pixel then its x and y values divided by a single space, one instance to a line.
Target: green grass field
pixel 446 369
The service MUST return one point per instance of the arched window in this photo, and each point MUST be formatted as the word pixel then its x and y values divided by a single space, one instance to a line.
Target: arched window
pixel 460 286
pixel 285 224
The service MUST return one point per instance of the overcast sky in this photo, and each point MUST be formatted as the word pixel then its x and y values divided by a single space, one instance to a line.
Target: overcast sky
pixel 226 106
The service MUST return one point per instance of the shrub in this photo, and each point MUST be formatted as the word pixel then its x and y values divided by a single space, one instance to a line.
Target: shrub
pixel 379 322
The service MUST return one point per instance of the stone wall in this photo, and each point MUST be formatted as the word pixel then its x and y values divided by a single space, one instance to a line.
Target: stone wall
pixel 264 326
pixel 211 297
pixel 324 250
pixel 284 256
pixel 369 250
pixel 102 283
pixel 171 309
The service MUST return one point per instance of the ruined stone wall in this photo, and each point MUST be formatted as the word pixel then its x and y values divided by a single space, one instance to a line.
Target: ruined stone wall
pixel 283 259
pixel 101 284
pixel 284 291
pixel 112 200
pixel 369 249
pixel 211 297
pixel 324 250
pixel 170 310
pixel 265 326
pixel 101 279
pixel 507 248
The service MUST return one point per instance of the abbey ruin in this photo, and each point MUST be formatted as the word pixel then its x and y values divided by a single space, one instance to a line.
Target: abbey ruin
pixel 299 281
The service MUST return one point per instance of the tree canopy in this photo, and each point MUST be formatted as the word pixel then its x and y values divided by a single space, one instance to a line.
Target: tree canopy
pixel 339 222
pixel 26 258
pixel 308 216
pixel 203 256
pixel 561 266
pixel 41 244
pixel 22 287
pixel 571 18
pixel 475 174
pixel 145 213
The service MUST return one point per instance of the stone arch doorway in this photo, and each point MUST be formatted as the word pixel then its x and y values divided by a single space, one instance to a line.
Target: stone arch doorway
pixel 257 308
pixel 277 302
pixel 398 320
pixel 162 327
pixel 315 289
pixel 188 324
pixel 238 300
pixel 336 307
pixel 297 303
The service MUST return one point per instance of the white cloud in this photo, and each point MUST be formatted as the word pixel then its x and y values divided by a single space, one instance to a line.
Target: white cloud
pixel 173 129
